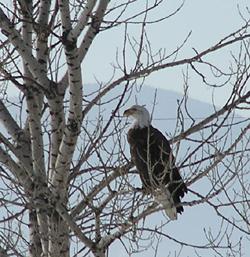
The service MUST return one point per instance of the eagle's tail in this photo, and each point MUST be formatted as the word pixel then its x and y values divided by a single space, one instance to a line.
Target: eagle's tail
pixel 164 197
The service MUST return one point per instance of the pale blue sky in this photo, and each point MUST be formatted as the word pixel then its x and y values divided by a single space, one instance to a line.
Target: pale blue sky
pixel 209 22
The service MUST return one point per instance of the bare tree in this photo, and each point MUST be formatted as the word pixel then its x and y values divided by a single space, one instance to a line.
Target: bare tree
pixel 68 187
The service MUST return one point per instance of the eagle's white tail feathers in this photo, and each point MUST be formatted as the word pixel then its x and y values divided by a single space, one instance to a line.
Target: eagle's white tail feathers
pixel 163 197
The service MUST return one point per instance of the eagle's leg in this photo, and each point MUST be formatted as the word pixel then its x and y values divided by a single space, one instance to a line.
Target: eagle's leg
pixel 146 190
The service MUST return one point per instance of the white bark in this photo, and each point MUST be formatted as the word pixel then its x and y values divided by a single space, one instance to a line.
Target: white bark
pixel 90 35
pixel 72 128
pixel 107 206
pixel 83 20
pixel 38 218
pixel 24 51
pixel 21 141
pixel 57 129
pixel 19 173
pixel 10 124
pixel 59 245
pixel 93 30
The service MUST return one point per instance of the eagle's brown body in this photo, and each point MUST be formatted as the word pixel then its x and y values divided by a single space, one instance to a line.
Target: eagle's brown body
pixel 153 158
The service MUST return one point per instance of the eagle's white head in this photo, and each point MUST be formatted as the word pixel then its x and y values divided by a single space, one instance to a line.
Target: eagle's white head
pixel 140 115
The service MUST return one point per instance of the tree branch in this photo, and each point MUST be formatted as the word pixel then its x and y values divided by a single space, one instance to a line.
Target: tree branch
pixel 24 51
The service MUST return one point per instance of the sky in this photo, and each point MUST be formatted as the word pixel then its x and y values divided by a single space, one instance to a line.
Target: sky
pixel 209 22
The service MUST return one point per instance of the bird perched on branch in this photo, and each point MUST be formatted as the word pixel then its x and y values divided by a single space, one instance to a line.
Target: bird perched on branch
pixel 152 155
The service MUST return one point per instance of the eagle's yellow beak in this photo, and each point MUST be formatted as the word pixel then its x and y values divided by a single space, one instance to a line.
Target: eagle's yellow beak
pixel 128 112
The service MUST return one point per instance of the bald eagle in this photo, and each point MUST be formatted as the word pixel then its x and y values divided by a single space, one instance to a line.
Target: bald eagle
pixel 152 155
